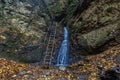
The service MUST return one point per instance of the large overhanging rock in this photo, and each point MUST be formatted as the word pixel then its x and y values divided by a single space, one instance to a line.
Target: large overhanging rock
pixel 97 38
pixel 96 15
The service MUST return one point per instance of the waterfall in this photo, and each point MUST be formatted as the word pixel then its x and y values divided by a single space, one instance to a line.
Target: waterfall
pixel 63 54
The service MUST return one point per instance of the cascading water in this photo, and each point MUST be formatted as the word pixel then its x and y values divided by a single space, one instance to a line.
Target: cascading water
pixel 63 55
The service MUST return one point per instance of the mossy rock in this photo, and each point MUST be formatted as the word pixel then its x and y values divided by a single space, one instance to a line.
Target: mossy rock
pixel 99 37
pixel 30 57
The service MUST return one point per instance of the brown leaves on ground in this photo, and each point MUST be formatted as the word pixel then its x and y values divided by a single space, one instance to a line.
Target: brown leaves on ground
pixel 13 70
pixel 9 67
pixel 91 63
pixel 37 73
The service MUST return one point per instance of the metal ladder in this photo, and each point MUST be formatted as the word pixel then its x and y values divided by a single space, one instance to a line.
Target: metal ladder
pixel 49 41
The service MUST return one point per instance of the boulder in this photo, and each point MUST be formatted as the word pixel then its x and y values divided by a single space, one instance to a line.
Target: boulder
pixel 98 37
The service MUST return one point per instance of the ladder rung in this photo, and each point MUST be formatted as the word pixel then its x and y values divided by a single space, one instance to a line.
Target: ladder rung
pixel 48 51
pixel 52 35
pixel 51 42
pixel 47 60
pixel 48 56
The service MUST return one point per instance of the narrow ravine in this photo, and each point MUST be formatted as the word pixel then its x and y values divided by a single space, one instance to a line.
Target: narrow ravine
pixel 59 40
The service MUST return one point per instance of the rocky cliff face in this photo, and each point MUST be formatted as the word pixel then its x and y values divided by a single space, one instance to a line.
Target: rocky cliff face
pixel 22 15
pixel 89 28
pixel 21 26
